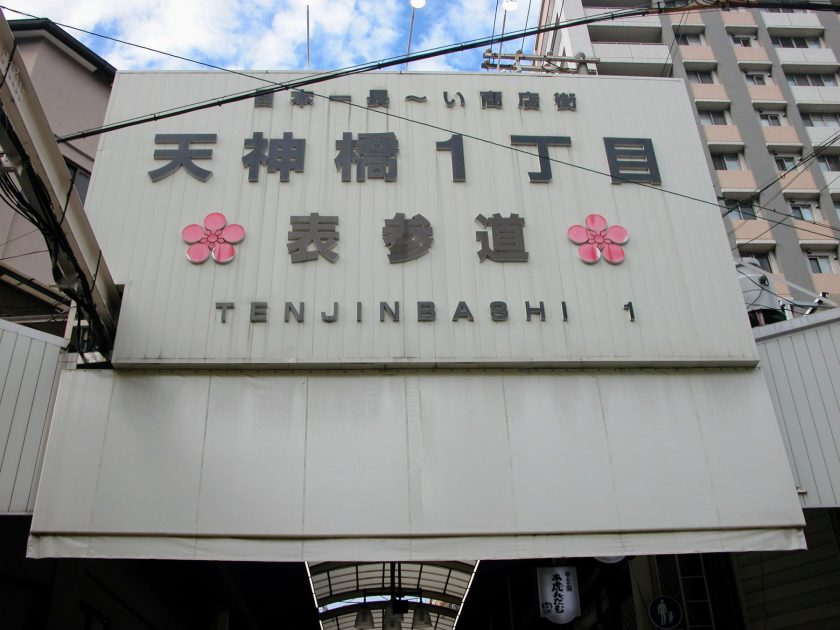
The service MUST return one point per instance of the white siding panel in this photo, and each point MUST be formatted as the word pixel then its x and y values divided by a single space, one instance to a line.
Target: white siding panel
pixel 412 464
pixel 801 362
pixel 169 315
pixel 28 376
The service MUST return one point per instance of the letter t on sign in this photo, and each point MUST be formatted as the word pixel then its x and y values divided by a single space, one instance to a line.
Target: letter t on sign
pixel 224 307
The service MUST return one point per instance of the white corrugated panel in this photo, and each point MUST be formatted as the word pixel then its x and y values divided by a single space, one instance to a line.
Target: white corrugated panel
pixel 801 362
pixel 677 272
pixel 414 465
pixel 28 377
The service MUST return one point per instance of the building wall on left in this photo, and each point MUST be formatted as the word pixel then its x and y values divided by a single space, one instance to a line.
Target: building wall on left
pixel 73 86
pixel 29 368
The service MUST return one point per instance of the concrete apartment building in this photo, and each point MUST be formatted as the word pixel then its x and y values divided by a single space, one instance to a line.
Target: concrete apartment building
pixel 73 84
pixel 766 92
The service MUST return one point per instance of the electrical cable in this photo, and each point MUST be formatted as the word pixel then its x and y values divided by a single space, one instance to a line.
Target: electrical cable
pixel 799 167
pixel 19 236
pixel 668 58
pixel 39 211
pixel 775 222
pixel 278 86
pixel 607 15
pixel 361 68
pixel 793 303
pixel 347 72
pixel 527 15
pixel 40 251
pixel 516 149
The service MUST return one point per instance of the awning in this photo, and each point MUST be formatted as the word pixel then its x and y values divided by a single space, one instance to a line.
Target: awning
pixel 413 466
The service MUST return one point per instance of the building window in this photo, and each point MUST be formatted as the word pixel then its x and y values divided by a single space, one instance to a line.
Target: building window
pixel 761 258
pixel 826 119
pixel 81 181
pixel 727 161
pixel 740 210
pixel 795 42
pixel 829 162
pixel 770 120
pixel 712 117
pixel 780 10
pixel 758 78
pixel 742 41
pixel 700 76
pixel 814 79
pixel 689 39
pixel 819 263
pixel 804 212
pixel 786 162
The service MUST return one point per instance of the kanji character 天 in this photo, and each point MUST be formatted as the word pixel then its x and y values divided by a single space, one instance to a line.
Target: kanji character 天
pixel 278 154
pixel 407 239
pixel 183 155
pixel 313 230
pixel 508 238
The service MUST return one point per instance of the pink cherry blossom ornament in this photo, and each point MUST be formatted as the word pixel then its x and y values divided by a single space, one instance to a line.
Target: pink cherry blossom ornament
pixel 596 240
pixel 216 238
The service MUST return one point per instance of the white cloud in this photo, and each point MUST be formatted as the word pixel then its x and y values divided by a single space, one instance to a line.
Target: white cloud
pixel 271 34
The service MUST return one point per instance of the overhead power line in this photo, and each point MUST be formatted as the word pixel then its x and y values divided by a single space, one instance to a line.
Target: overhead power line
pixel 302 82
pixel 640 10
pixel 656 7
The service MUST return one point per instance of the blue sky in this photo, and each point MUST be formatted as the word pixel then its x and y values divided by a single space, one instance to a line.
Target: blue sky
pixel 271 34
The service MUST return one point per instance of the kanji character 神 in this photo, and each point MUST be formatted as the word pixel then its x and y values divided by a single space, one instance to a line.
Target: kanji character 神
pixel 278 154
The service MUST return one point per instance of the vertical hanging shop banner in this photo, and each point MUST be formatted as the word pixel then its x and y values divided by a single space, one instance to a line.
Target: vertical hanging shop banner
pixel 559 597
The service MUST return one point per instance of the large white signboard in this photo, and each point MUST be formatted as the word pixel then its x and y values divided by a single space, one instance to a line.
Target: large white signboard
pixel 241 245
pixel 424 219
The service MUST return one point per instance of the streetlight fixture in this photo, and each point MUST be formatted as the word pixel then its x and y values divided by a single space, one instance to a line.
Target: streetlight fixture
pixel 507 5
pixel 415 4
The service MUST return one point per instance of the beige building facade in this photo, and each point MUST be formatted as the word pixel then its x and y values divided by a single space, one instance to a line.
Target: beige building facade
pixel 766 96
pixel 73 85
